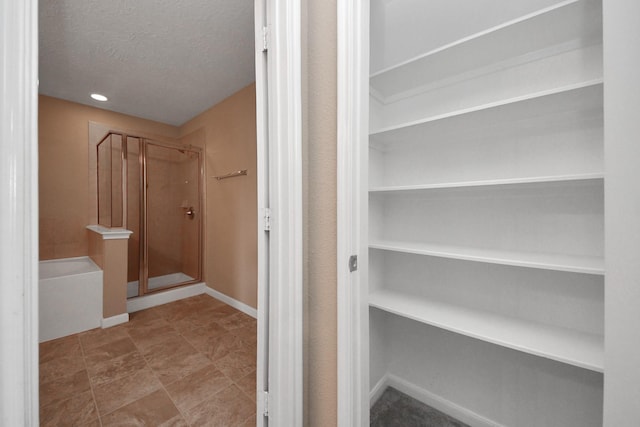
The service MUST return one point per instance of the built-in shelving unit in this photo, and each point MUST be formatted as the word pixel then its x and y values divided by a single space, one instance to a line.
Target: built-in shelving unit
pixel 564 345
pixel 549 261
pixel 568 25
pixel 494 182
pixel 486 207
pixel 581 96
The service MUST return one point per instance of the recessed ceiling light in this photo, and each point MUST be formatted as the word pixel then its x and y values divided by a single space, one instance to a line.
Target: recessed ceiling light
pixel 99 97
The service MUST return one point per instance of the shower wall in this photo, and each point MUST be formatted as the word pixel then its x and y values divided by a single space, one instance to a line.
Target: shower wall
pixel 228 134
pixel 64 171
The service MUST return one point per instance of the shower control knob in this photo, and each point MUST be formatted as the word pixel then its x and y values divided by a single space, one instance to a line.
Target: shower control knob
pixel 191 212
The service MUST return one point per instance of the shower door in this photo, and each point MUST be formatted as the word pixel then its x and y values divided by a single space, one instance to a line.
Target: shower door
pixel 172 219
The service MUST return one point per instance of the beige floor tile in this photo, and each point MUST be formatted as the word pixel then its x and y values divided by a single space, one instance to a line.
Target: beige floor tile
pixel 248 334
pixel 219 346
pixel 118 367
pixel 250 422
pixel 78 410
pixel 199 336
pixel 224 311
pixel 153 334
pixel 142 316
pixel 61 347
pixel 114 394
pixel 171 345
pixel 63 388
pixel 247 384
pixel 238 363
pixel 174 311
pixel 203 303
pixel 98 337
pixel 109 351
pixel 155 409
pixel 228 407
pixel 178 366
pixel 61 367
pixel 237 320
pixel 194 388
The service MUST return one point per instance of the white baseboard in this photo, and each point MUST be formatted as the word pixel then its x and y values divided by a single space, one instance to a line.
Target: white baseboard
pixel 114 320
pixel 378 389
pixel 431 399
pixel 170 295
pixel 232 302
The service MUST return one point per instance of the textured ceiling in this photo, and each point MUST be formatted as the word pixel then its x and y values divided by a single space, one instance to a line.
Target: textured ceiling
pixel 164 60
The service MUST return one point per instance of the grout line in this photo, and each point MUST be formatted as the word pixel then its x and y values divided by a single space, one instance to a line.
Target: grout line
pixel 86 367
pixel 184 418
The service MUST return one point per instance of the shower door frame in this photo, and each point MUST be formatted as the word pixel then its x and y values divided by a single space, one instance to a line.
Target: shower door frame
pixel 143 276
pixel 143 269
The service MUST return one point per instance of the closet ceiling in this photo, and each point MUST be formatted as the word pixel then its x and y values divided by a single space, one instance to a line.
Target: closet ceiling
pixel 164 60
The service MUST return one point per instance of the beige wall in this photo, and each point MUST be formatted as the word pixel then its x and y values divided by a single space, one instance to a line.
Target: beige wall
pixel 320 142
pixel 227 132
pixel 110 256
pixel 64 167
pixel 229 138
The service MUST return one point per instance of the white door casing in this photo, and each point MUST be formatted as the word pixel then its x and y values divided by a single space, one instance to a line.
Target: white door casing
pixel 353 310
pixel 279 122
pixel 19 214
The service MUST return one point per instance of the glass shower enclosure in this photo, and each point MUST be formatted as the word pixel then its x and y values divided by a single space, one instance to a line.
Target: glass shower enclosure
pixel 153 189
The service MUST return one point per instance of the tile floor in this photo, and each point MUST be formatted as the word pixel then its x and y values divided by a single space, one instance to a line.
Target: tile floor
pixel 187 363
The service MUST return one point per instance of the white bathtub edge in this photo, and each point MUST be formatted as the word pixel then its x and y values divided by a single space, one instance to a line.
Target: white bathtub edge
pixel 246 309
pixel 114 320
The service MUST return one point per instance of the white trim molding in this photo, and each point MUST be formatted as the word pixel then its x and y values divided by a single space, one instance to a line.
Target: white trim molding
pixel 19 213
pixel 353 312
pixel 435 401
pixel 110 233
pixel 284 148
pixel 114 320
pixel 164 297
pixel 239 305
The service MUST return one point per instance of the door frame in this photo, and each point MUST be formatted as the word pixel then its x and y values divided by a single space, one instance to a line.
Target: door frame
pixel 352 211
pixel 19 404
pixel 279 145
pixel 19 214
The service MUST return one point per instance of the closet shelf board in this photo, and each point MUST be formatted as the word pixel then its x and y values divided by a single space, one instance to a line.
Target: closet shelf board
pixel 492 182
pixel 544 261
pixel 565 26
pixel 563 345
pixel 580 95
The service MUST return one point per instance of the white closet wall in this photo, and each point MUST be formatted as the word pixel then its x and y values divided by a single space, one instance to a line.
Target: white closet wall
pixel 486 208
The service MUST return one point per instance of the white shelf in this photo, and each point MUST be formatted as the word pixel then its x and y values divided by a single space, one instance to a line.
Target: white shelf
pixel 557 262
pixel 580 96
pixel 563 345
pixel 568 25
pixel 492 182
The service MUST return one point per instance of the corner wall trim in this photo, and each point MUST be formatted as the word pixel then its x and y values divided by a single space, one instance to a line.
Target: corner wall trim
pixel 175 294
pixel 440 403
pixel 246 309
pixel 114 320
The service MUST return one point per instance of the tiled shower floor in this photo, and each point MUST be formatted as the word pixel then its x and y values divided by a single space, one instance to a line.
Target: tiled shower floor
pixel 188 363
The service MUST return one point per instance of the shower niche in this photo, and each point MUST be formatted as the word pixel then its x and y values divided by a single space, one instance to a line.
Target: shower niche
pixel 153 189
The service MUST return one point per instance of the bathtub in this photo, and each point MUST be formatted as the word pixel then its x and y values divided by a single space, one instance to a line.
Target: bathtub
pixel 70 297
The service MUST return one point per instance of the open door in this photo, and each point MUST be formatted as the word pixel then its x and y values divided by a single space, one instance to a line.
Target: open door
pixel 279 145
